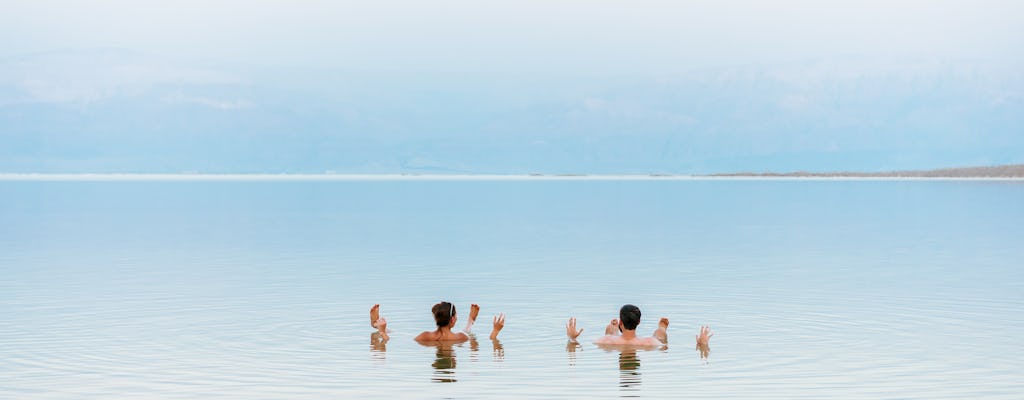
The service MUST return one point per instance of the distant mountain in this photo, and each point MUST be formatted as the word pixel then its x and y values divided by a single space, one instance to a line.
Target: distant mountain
pixel 113 110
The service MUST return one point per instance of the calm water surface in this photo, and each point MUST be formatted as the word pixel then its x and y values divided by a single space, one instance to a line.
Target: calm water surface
pixel 820 289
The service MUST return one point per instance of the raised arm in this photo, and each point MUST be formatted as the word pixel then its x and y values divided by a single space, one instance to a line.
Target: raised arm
pixel 662 332
pixel 499 323
pixel 474 310
pixel 570 329
pixel 374 314
pixel 613 328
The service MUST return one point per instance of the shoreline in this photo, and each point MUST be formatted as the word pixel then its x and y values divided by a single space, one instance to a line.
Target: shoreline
pixel 141 177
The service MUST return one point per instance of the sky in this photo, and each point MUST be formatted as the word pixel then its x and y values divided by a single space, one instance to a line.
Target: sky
pixel 509 87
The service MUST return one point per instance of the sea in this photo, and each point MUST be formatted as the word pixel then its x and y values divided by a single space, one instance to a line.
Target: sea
pixel 261 288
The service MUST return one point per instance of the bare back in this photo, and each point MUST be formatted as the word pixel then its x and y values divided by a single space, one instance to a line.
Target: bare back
pixel 636 341
pixel 441 336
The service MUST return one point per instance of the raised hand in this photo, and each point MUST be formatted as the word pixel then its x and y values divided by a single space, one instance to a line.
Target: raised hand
pixel 499 322
pixel 612 328
pixel 662 332
pixel 474 310
pixel 570 329
pixel 704 336
pixel 374 315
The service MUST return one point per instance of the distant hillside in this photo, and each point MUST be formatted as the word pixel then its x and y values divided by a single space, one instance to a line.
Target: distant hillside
pixel 118 111
pixel 999 171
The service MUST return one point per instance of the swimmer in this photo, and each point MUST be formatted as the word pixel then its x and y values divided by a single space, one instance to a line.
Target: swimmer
pixel 622 331
pixel 445 317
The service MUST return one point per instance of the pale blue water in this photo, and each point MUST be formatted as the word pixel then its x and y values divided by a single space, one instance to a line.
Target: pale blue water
pixel 819 289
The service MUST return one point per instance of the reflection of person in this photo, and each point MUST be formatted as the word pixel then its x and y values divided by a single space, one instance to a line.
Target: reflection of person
pixel 445 318
pixel 444 365
pixel 629 369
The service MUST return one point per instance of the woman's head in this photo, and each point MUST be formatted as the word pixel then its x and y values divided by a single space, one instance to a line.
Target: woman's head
pixel 444 314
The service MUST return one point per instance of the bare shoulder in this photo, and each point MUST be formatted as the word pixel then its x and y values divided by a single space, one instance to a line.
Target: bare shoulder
pixel 426 336
pixel 653 341
pixel 460 336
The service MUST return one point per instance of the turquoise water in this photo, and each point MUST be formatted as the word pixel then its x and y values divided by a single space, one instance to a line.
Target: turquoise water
pixel 815 289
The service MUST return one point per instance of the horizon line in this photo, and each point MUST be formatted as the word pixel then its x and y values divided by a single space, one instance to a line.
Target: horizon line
pixel 242 177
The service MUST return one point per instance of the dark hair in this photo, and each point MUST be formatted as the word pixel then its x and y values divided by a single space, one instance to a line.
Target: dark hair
pixel 630 316
pixel 443 313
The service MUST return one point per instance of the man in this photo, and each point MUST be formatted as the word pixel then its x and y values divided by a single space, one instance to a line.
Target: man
pixel 622 331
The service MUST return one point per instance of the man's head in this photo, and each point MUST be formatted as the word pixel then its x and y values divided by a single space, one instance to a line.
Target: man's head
pixel 629 316
pixel 444 314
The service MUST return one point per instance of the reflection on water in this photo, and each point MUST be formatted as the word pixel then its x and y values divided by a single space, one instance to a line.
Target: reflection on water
pixel 629 366
pixel 629 370
pixel 497 350
pixel 704 351
pixel 444 365
pixel 237 290
pixel 571 347
pixel 378 346
pixel 445 355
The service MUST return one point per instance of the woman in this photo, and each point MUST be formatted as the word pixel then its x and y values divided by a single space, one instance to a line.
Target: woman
pixel 445 317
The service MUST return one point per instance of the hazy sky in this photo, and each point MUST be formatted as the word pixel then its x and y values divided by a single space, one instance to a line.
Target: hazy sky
pixel 604 36
pixel 516 86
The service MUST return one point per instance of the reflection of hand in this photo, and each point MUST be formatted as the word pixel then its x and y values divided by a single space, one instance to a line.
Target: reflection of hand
pixel 382 327
pixel 570 329
pixel 377 342
pixel 704 350
pixel 704 336
pixel 474 310
pixel 499 350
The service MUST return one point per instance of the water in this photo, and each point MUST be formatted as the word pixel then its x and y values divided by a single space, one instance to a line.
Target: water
pixel 821 289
